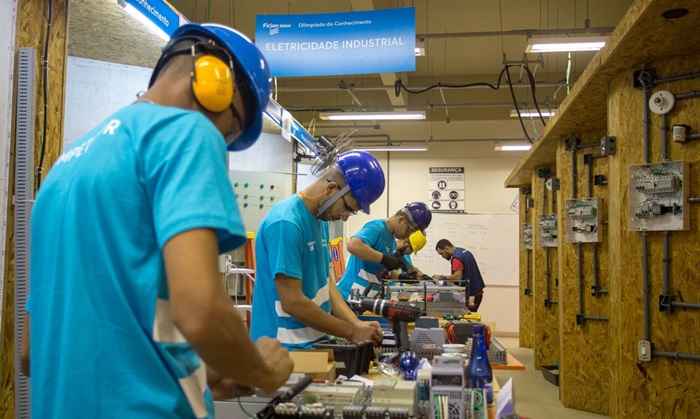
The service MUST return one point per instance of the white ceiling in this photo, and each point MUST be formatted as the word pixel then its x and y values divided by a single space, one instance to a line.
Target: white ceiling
pixel 453 60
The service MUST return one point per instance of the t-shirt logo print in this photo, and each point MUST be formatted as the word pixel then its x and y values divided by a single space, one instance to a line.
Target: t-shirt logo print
pixel 312 246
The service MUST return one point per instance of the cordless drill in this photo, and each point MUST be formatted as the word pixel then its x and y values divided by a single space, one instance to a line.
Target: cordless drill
pixel 398 312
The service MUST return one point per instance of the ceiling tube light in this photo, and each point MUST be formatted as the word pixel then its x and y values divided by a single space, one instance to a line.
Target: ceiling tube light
pixel 512 147
pixel 532 113
pixel 542 44
pixel 373 116
pixel 136 14
pixel 370 148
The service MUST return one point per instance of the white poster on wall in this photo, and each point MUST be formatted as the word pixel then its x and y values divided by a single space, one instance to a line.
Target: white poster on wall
pixel 446 189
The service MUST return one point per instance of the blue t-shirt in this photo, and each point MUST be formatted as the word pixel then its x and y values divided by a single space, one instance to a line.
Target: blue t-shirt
pixel 103 342
pixel 359 274
pixel 290 241
pixel 407 260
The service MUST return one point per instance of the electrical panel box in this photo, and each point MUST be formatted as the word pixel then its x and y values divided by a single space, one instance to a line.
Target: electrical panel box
pixel 527 236
pixel 257 192
pixel 548 231
pixel 583 220
pixel 659 196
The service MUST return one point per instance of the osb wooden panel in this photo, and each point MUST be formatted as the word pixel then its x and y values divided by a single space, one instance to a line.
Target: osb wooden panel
pixel 663 388
pixel 546 324
pixel 527 314
pixel 584 381
pixel 101 30
pixel 31 23
pixel 642 35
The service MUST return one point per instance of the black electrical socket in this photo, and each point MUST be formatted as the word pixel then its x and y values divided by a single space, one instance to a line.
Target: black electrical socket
pixel 572 142
pixel 580 319
pixel 544 172
pixel 600 180
pixel 641 78
pixel 608 146
pixel 588 159
pixel 665 303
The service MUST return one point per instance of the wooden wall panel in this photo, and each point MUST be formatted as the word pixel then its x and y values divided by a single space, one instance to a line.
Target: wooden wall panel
pixel 31 32
pixel 546 325
pixel 584 380
pixel 527 314
pixel 663 388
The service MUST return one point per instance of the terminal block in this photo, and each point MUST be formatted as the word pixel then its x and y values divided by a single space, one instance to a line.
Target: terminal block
pixel 527 236
pixel 548 231
pixel 658 197
pixel 583 220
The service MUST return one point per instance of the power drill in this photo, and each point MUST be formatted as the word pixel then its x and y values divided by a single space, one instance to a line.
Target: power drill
pixel 398 312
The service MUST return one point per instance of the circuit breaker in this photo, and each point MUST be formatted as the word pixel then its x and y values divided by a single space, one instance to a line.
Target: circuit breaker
pixel 659 196
pixel 527 236
pixel 583 220
pixel 548 231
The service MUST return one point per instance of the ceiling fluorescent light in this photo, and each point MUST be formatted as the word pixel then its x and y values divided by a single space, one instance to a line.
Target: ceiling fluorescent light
pixel 541 44
pixel 131 10
pixel 532 113
pixel 370 148
pixel 512 147
pixel 420 48
pixel 373 116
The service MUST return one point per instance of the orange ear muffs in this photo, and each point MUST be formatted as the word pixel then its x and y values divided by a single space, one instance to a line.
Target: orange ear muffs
pixel 212 83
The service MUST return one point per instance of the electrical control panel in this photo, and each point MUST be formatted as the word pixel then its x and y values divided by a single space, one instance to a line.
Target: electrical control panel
pixel 659 196
pixel 527 236
pixel 257 192
pixel 583 220
pixel 548 231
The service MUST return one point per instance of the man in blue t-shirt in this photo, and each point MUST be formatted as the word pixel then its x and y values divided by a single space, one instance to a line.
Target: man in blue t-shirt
pixel 464 270
pixel 295 299
pixel 372 249
pixel 129 317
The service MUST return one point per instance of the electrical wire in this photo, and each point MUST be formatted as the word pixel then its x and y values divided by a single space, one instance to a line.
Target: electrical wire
pixel 245 412
pixel 45 71
pixel 400 86
pixel 515 103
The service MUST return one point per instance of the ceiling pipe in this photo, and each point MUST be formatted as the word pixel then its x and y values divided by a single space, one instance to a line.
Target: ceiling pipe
pixel 413 108
pixel 606 30
pixel 383 88
pixel 449 140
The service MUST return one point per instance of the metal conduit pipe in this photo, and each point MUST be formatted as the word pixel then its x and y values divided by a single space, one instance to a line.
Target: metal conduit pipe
pixel 687 76
pixel 598 318
pixel 688 95
pixel 597 290
pixel 645 240
pixel 581 317
pixel 685 305
pixel 336 89
pixel 694 199
pixel 677 355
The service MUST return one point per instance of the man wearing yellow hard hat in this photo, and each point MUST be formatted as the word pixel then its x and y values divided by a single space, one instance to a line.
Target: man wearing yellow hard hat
pixel 412 245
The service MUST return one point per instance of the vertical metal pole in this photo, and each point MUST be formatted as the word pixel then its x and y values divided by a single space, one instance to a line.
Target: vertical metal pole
pixel 24 197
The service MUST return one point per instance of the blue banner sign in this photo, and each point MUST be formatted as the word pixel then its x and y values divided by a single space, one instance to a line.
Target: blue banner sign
pixel 160 13
pixel 379 41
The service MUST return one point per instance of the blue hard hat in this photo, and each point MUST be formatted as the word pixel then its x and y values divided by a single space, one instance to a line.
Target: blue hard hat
pixel 363 175
pixel 419 214
pixel 250 61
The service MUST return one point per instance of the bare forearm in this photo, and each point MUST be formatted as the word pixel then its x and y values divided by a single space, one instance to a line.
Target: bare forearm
pixel 307 312
pixel 226 347
pixel 357 248
pixel 340 308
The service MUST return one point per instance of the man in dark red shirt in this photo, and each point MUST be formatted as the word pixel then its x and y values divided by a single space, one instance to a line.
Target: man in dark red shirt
pixel 465 271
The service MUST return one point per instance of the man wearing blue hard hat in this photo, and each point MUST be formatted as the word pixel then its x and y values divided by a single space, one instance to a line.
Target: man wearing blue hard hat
pixel 372 249
pixel 129 317
pixel 295 299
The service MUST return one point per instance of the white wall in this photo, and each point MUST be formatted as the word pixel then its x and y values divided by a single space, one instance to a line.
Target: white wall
pixel 485 173
pixel 8 10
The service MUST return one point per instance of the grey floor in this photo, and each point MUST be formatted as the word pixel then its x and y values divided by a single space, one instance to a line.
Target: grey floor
pixel 535 397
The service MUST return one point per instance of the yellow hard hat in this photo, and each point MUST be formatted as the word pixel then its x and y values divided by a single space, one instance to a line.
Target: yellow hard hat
pixel 417 241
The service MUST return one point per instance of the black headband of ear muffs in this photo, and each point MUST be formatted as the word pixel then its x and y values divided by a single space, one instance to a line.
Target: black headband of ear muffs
pixel 200 43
